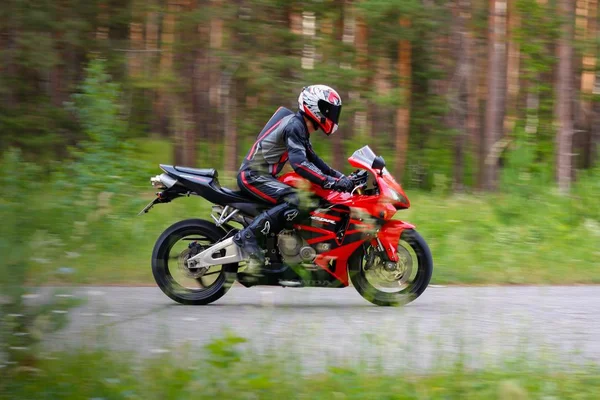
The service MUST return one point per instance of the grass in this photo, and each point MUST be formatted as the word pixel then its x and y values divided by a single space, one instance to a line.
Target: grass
pixel 527 234
pixel 224 372
pixel 493 239
pixel 508 239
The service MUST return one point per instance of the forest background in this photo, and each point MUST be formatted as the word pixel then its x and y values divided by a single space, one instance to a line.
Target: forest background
pixel 486 111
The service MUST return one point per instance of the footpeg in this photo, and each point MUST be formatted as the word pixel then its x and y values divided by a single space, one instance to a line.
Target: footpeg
pixel 286 283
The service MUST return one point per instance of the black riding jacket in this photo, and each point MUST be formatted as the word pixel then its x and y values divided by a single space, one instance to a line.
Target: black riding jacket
pixel 286 138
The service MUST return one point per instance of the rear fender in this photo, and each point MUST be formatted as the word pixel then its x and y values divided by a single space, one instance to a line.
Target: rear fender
pixel 389 236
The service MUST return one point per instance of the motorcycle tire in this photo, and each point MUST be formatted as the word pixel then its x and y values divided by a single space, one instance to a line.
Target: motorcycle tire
pixel 407 295
pixel 160 264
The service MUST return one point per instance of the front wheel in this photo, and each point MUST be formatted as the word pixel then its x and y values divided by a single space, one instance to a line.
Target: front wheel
pixel 195 286
pixel 393 284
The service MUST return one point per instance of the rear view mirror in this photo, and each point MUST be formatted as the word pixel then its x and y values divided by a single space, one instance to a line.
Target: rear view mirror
pixel 378 163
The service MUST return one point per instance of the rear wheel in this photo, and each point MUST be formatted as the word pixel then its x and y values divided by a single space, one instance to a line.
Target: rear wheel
pixel 195 286
pixel 393 284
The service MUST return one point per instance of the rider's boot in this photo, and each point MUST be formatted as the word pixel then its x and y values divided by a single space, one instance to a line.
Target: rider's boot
pixel 252 238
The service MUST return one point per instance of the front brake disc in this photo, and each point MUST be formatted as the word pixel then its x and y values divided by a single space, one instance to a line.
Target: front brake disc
pixel 404 265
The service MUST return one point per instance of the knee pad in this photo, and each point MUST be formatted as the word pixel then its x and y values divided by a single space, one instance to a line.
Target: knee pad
pixel 293 200
pixel 294 214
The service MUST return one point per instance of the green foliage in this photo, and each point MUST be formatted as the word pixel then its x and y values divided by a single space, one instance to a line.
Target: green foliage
pixel 87 202
pixel 222 353
pixel 103 160
pixel 20 179
pixel 49 218
pixel 44 53
pixel 49 46
pixel 536 37
pixel 23 325
pixel 532 235
pixel 384 16
pixel 527 235
pixel 93 375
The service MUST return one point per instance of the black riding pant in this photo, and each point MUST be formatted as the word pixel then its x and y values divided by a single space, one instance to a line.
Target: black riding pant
pixel 268 189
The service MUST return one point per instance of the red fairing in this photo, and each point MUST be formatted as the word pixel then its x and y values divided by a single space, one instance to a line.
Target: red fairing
pixel 377 206
pixel 341 256
pixel 383 206
pixel 389 236
pixel 385 182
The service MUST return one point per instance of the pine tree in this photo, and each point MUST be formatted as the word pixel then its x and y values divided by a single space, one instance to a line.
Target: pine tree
pixel 564 95
pixel 496 91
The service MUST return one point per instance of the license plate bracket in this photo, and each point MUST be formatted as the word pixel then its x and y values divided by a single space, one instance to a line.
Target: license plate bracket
pixel 149 206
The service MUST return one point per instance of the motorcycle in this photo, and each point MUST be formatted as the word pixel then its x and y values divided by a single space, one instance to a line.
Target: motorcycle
pixel 345 238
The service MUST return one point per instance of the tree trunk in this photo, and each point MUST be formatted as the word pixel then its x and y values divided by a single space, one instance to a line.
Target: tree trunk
pixel 403 112
pixel 151 37
pixel 564 96
pixel 337 142
pixel 230 108
pixel 459 96
pixel 167 101
pixel 512 71
pixel 102 23
pixel 136 43
pixel 207 123
pixel 478 72
pixel 189 75
pixel 587 13
pixel 211 128
pixel 594 134
pixel 8 69
pixel 362 50
pixel 473 113
pixel 380 114
pixel 153 69
pixel 532 119
pixel 57 75
pixel 231 90
pixel 496 91
pixel 348 40
pixel 189 138
pixel 216 43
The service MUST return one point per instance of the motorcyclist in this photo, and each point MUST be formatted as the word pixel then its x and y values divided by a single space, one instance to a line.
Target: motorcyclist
pixel 286 137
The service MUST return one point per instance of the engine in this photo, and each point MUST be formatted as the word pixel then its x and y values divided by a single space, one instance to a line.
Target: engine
pixel 295 250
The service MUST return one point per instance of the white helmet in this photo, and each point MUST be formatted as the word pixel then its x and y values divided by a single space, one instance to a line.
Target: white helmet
pixel 321 104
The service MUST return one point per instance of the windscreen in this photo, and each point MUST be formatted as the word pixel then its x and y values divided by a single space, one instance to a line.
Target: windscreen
pixel 366 156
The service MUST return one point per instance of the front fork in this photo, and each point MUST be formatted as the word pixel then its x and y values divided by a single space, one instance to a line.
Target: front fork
pixel 388 238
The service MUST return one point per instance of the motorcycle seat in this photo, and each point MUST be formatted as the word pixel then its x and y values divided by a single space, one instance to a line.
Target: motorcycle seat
pixel 210 172
pixel 237 196
pixel 246 203
pixel 209 188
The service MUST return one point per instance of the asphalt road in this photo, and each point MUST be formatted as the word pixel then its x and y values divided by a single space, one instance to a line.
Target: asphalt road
pixel 553 325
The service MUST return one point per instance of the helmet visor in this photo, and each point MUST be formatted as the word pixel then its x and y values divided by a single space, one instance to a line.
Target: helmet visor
pixel 330 111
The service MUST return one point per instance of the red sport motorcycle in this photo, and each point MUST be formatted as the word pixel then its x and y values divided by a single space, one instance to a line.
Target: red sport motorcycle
pixel 346 237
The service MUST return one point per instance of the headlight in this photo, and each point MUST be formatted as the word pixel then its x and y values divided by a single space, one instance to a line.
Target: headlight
pixel 395 195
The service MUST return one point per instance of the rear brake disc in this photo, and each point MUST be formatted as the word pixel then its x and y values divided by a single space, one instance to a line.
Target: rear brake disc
pixel 185 255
